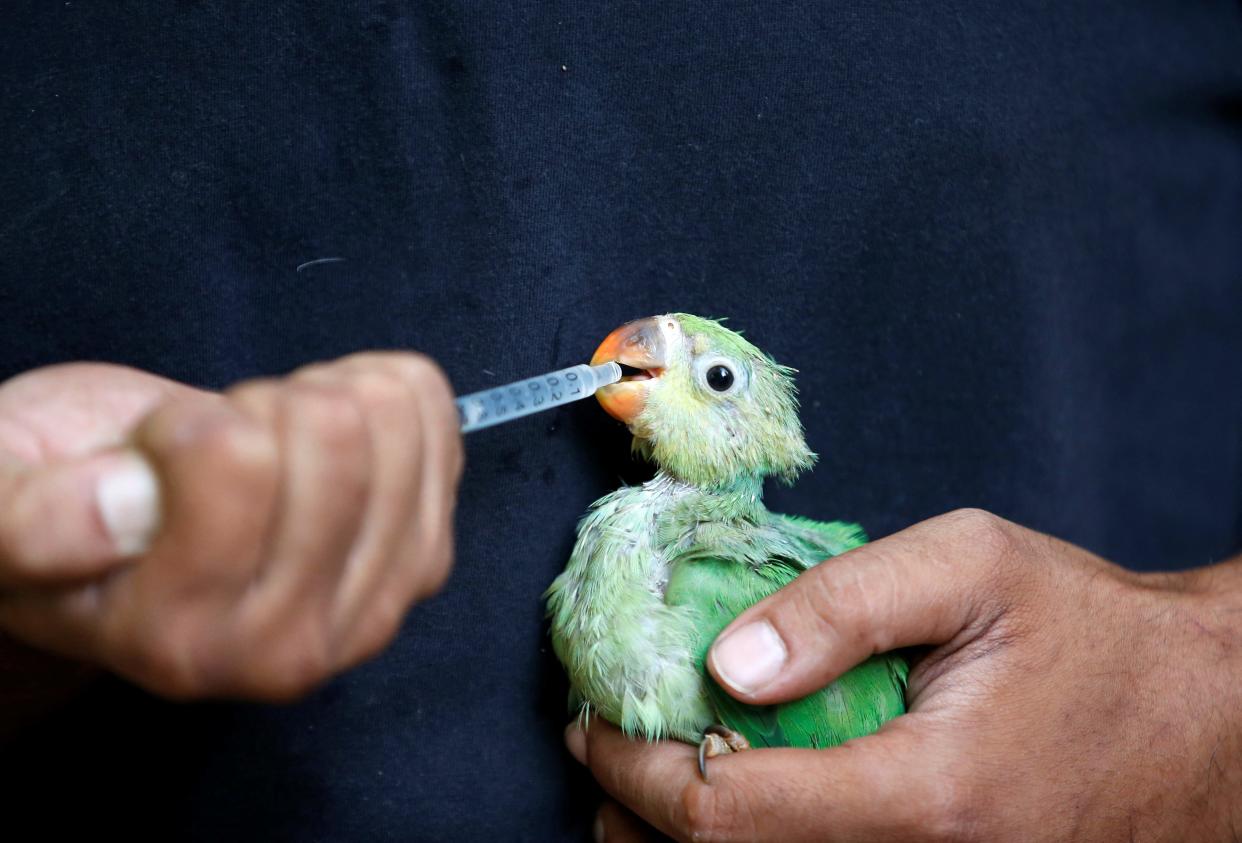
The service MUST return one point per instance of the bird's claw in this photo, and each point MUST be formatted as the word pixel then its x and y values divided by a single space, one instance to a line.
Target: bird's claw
pixel 719 740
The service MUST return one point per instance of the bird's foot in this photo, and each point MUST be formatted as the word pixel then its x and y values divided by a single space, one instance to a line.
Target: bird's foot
pixel 719 740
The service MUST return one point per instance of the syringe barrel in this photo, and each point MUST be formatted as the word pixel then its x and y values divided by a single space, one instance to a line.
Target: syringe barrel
pixel 521 398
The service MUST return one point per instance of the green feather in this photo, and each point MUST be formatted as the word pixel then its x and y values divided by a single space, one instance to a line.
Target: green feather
pixel 719 589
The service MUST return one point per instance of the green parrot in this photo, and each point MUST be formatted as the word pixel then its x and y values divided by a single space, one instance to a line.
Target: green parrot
pixel 659 570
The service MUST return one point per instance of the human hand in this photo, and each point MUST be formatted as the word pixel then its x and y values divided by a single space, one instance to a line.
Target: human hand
pixel 1065 699
pixel 246 544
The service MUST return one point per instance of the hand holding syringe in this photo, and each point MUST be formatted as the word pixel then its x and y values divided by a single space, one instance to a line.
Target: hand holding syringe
pixel 521 398
pixel 299 489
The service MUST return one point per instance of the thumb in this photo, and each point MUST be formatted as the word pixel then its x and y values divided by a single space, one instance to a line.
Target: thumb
pixel 925 585
pixel 75 518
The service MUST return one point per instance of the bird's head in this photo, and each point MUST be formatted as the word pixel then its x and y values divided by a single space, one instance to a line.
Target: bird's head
pixel 702 402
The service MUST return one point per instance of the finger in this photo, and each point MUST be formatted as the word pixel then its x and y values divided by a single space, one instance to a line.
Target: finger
pixel 929 584
pixel 426 565
pixel 58 620
pixel 326 464
pixel 616 824
pixel 390 409
pixel 398 557
pixel 75 518
pixel 871 788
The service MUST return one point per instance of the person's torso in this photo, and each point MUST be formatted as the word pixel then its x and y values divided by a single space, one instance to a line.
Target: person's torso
pixel 1003 246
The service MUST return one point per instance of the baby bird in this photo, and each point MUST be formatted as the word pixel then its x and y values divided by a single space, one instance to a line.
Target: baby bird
pixel 659 570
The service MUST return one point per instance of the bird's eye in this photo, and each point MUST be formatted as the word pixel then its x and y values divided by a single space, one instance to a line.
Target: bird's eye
pixel 720 378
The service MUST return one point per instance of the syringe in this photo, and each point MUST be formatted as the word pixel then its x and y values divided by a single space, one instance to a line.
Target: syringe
pixel 521 398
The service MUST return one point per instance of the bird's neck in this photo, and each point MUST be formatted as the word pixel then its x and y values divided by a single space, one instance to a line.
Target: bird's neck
pixel 739 498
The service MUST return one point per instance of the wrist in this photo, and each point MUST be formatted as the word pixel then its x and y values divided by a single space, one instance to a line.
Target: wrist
pixel 1224 582
pixel 1215 593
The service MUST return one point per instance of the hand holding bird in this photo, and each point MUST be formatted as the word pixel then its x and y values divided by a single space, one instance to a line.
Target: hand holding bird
pixel 1063 698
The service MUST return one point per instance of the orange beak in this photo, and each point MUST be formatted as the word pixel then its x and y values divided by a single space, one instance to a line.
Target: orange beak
pixel 636 345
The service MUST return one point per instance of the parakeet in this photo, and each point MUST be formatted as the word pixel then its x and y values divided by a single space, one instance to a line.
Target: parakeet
pixel 659 570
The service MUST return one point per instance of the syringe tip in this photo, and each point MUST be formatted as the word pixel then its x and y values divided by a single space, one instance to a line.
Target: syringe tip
pixel 606 373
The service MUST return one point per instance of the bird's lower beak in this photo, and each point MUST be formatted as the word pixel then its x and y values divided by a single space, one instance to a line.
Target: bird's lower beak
pixel 639 347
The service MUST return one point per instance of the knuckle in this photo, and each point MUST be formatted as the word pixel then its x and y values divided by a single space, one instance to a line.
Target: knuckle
pixel 456 455
pixel 162 660
pixel 434 571
pixel 411 377
pixel 245 445
pixel 706 813
pixel 377 389
pixel 387 616
pixel 828 594
pixel 992 536
pixel 432 386
pixel 424 372
pixel 813 599
pixel 258 401
pixel 410 367
pixel 296 668
pixel 223 438
pixel 330 412
pixel 380 627
pixel 318 372
pixel 173 427
pixel 257 396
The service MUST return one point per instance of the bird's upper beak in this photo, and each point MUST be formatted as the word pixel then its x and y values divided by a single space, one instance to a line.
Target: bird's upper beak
pixel 639 347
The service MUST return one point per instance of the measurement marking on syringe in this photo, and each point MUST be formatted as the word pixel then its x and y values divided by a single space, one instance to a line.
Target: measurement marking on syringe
pixel 511 401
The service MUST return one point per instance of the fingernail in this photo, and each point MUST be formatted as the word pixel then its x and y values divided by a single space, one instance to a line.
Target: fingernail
pixel 598 830
pixel 129 504
pixel 575 742
pixel 750 657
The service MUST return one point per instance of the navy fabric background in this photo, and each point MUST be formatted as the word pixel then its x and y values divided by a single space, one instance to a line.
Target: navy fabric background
pixel 1002 243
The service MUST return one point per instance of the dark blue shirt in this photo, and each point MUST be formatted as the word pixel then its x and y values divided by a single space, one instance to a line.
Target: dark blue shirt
pixel 1001 242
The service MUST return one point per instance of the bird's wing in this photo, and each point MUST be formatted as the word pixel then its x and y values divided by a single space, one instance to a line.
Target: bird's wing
pixel 813 541
pixel 721 586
